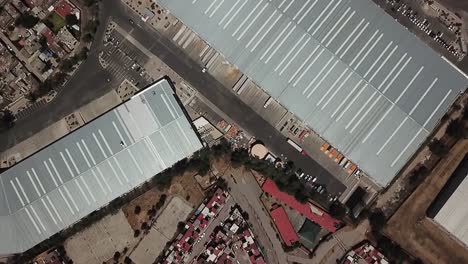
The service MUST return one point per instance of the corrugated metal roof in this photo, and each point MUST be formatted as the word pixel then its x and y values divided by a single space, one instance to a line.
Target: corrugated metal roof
pixel 90 167
pixel 346 68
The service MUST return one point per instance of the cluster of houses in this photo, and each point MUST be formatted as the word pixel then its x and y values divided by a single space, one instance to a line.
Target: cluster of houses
pixel 229 241
pixel 35 35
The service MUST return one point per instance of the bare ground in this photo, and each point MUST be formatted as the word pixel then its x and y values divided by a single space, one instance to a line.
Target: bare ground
pixel 418 234
pixel 184 186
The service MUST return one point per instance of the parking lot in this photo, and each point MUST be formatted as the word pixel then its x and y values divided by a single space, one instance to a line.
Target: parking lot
pixel 123 60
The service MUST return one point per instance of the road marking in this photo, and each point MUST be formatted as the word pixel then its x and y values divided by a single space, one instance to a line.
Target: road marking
pixel 367 52
pixel 260 29
pixel 266 32
pixel 135 161
pixel 301 9
pixel 120 168
pixel 323 78
pixel 354 40
pixel 290 51
pixel 103 179
pixel 337 90
pixel 320 15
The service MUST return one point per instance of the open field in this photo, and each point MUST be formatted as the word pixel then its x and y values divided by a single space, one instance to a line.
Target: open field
pixel 184 186
pixel 166 225
pixel 100 241
pixel 420 235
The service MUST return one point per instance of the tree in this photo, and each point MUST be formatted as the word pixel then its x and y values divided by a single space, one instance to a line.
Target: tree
pixel 144 226
pixel 437 147
pixel 338 210
pixel 8 119
pixel 418 175
pixel 456 129
pixel 137 209
pixel 377 220
pixel 180 227
pixel 128 260
pixel 88 37
pixel 117 256
pixel 26 20
pixel 71 19
pixel 136 233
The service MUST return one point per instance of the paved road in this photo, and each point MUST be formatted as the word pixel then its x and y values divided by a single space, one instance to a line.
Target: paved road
pixel 199 247
pixel 246 192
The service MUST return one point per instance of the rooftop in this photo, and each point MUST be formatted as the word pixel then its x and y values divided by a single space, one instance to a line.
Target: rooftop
pixel 312 212
pixel 284 226
pixel 347 69
pixel 85 170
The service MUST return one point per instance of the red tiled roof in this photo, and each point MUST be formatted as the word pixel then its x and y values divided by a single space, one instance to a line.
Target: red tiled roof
pixel 284 226
pixel 324 220
pixel 63 8
pixel 49 35
pixel 218 197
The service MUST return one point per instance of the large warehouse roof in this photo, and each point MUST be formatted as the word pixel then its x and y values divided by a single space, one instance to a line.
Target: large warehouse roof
pixel 346 68
pixel 90 167
pixel 451 215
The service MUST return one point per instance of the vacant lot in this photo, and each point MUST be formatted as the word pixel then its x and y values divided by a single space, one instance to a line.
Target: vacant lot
pixel 162 232
pixel 99 242
pixel 418 234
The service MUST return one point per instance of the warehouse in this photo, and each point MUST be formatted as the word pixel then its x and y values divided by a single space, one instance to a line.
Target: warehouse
pixel 446 209
pixel 85 170
pixel 347 69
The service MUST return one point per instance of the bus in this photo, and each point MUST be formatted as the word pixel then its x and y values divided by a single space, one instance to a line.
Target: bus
pixel 296 146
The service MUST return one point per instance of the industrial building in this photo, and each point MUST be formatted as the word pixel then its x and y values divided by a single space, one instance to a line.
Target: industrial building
pixel 446 209
pixel 85 170
pixel 347 69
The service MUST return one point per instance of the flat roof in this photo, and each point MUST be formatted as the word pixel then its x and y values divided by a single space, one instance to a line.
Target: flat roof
pixel 85 170
pixel 309 210
pixel 347 69
pixel 284 226
pixel 453 215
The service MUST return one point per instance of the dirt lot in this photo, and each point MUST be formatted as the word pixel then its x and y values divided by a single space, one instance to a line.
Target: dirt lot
pixel 100 241
pixel 184 186
pixel 162 232
pixel 418 234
